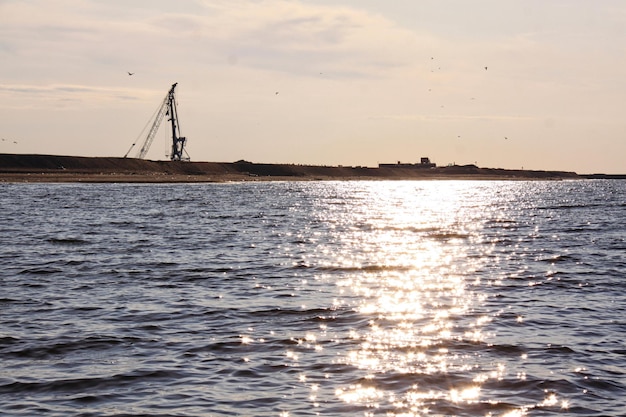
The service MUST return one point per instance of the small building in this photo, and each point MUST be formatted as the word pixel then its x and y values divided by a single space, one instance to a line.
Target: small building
pixel 424 163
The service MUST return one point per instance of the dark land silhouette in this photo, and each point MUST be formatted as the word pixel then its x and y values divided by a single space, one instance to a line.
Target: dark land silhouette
pixel 56 168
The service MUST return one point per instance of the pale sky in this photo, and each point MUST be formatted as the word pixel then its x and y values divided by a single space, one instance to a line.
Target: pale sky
pixel 536 84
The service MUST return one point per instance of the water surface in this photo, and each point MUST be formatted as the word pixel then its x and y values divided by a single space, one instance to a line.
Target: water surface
pixel 408 298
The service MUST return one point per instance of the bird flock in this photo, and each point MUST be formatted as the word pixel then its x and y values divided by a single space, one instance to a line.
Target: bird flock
pixel 432 69
pixel 432 59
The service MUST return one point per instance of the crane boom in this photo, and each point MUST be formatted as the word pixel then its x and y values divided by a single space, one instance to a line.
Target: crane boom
pixel 167 107
pixel 153 130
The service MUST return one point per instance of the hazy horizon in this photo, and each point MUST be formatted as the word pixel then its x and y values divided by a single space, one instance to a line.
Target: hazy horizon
pixel 520 84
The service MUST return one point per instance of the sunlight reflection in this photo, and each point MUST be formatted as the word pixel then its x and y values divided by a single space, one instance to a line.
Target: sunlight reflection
pixel 465 395
pixel 516 413
pixel 550 401
pixel 359 394
pixel 416 284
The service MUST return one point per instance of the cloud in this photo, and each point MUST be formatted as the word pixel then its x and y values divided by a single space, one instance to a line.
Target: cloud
pixel 289 36
pixel 281 35
pixel 86 42
pixel 43 96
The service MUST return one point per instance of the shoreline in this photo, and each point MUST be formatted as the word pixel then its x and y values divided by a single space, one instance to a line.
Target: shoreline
pixel 36 168
pixel 175 178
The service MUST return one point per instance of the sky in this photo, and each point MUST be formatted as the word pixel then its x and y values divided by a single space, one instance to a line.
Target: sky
pixel 513 84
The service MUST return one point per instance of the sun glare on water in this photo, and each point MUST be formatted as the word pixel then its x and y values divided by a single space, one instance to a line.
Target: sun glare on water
pixel 419 293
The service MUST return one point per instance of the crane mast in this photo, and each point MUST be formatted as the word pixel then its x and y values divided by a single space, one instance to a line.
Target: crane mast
pixel 167 107
pixel 178 142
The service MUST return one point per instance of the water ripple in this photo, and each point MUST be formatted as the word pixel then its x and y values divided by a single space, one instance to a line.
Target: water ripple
pixel 314 298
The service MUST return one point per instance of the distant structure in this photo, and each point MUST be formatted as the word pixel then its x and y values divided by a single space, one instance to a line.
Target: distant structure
pixel 423 164
pixel 167 108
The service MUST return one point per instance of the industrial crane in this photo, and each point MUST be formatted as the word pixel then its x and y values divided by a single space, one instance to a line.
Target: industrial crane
pixel 167 108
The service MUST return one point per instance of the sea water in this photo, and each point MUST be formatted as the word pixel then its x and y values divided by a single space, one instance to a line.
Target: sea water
pixel 406 298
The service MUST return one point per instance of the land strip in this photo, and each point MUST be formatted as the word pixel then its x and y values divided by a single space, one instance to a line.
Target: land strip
pixel 57 168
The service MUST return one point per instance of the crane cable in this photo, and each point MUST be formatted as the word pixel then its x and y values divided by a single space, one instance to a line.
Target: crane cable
pixel 151 120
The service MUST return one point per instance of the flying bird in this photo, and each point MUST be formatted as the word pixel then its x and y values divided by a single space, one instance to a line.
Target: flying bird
pixel 485 68
pixel 130 73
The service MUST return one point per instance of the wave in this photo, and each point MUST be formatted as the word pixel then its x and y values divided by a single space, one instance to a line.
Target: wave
pixel 67 241
pixel 435 233
pixel 559 258
pixel 40 271
pixel 114 382
pixel 448 235
pixel 364 268
pixel 43 349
